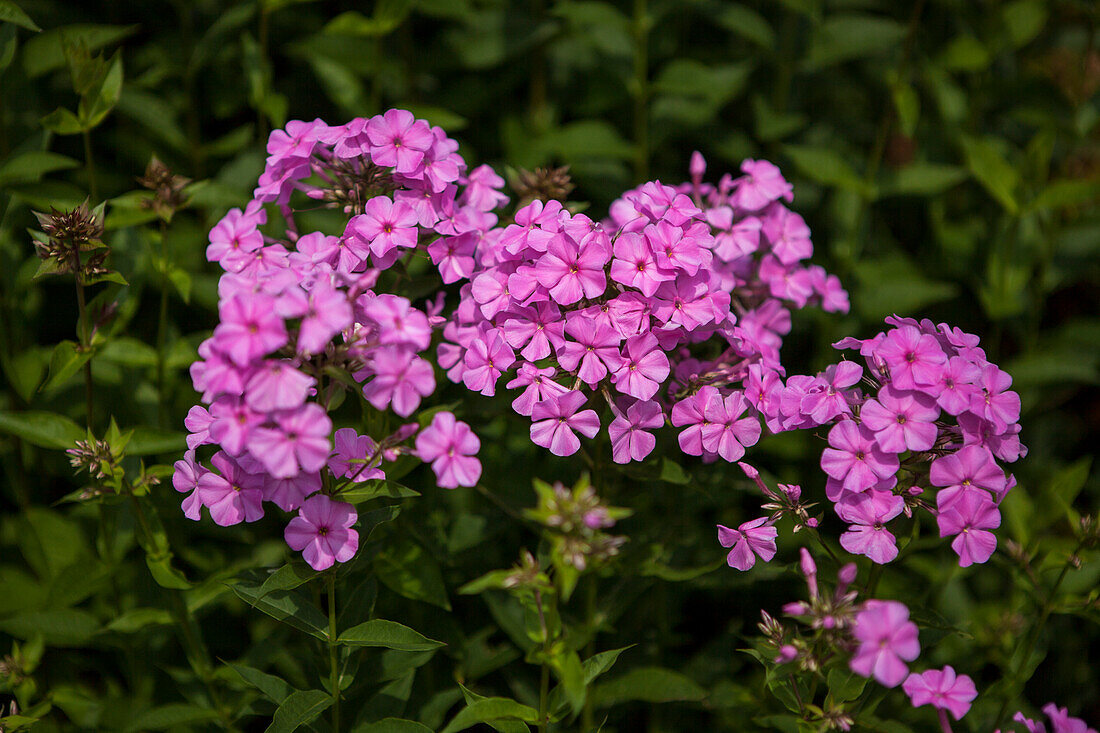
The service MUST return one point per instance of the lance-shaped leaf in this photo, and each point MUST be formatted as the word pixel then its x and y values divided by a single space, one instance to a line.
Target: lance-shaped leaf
pixel 388 634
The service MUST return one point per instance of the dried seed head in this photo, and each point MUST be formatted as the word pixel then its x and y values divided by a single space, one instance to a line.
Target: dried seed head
pixel 544 184
pixel 167 188
pixel 76 229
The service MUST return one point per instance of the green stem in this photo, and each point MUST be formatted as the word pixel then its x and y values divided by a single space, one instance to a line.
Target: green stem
pixel 544 693
pixel 334 671
pixel 162 332
pixel 641 91
pixel 89 165
pixel 82 333
pixel 590 627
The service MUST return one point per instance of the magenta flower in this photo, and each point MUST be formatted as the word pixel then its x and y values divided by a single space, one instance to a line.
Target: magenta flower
pixel 327 314
pixel 969 468
pixel 788 234
pixel 249 328
pixel 913 358
pixel 996 403
pixel 691 411
pixel 537 329
pixel 643 369
pixel 400 380
pixel 289 493
pixel 233 423
pixel 901 420
pixel 322 532
pixel 538 384
pixel 570 273
pixel 1061 721
pixel 957 386
pixel 555 419
pixel 231 494
pixel 384 225
pixel 398 322
pixel 726 432
pixel 941 689
pixel 198 423
pixel 450 446
pixel 761 184
pixel 969 517
pixel 485 360
pixel 277 385
pixel 887 639
pixel 595 351
pixel 629 439
pixel 868 513
pixel 854 457
pixel 635 266
pixel 399 140
pixel 185 478
pixel 753 538
pixel 828 403
pixel 454 256
pixel 297 442
pixel 349 446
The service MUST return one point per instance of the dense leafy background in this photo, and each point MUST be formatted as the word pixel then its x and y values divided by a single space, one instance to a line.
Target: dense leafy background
pixel 946 154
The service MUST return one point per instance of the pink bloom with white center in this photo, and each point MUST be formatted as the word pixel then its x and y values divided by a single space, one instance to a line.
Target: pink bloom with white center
pixel 450 446
pixel 399 140
pixel 351 452
pixel 644 367
pixel 322 532
pixel 726 432
pixel 887 639
pixel 901 420
pixel 249 328
pixel 867 513
pixel 555 419
pixel 298 442
pixel 941 689
pixel 969 517
pixel 629 439
pixel 747 541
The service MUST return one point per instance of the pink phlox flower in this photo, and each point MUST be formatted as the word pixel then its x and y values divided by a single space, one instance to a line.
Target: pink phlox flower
pixel 968 518
pixel 535 328
pixel 185 478
pixel 941 689
pixel 316 248
pixel 656 201
pixel 450 446
pixel 289 493
pixel 1032 726
pixel 278 385
pixel 299 441
pixel 854 458
pixel 538 385
pixel 691 412
pixel 1005 445
pixel 629 439
pixel 995 402
pixel 536 225
pixel 198 423
pixel 490 289
pixel 486 359
pixel 555 419
pixel 958 385
pixel 328 313
pixel 762 390
pixel 1061 722
pixel 351 452
pixel 454 256
pixel 483 189
pixel 674 249
pixel 593 354
pixel 867 513
pixel 249 328
pixel 749 540
pixel 914 358
pixel 726 432
pixel 761 185
pixel 236 232
pixel 785 281
pixel 629 313
pixel 400 380
pixel 398 140
pixel 322 532
pixel 644 367
pixel 682 302
pixel 970 467
pixel 901 420
pixel 398 322
pixel 741 239
pixel 384 225
pixel 834 298
pixel 571 273
pixel 788 235
pixel 887 639
pixel 215 374
pixel 231 494
pixel 832 401
pixel 233 423
pixel 635 265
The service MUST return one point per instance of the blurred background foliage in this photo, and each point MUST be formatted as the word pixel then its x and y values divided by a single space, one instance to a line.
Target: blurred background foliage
pixel 946 154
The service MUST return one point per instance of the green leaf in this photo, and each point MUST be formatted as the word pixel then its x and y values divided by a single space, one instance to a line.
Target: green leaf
pixel 1062 488
pixel 392 725
pixel 45 52
pixel 827 167
pixel 165 573
pixel 648 684
pixel 965 53
pixel 58 627
pixel 12 13
pixel 9 42
pixel 992 170
pixel 151 441
pixel 136 619
pixel 1024 20
pixel 924 179
pixel 894 284
pixel 375 489
pixel 287 606
pixel 181 281
pixel 274 688
pixel 845 685
pixel 409 570
pixel 907 105
pixel 580 140
pixel 65 361
pixel 488 710
pixel 570 671
pixel 129 352
pixel 846 37
pixel 388 14
pixel 44 429
pixel 388 634
pixel 298 709
pixel 104 99
pixel 288 577
pixel 31 166
pixel 170 716
pixel 746 23
pixel 1065 194
pixel 62 122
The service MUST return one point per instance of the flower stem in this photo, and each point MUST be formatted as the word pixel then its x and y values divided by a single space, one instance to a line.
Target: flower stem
pixel 945 724
pixel 89 165
pixel 162 332
pixel 81 332
pixel 641 91
pixel 334 672
pixel 544 693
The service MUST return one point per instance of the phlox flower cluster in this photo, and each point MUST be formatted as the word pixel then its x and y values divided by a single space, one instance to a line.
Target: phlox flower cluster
pixel 935 420
pixel 663 311
pixel 293 306
pixel 1060 721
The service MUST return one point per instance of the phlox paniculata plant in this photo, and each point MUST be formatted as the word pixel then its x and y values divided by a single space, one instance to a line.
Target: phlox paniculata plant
pixel 302 313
